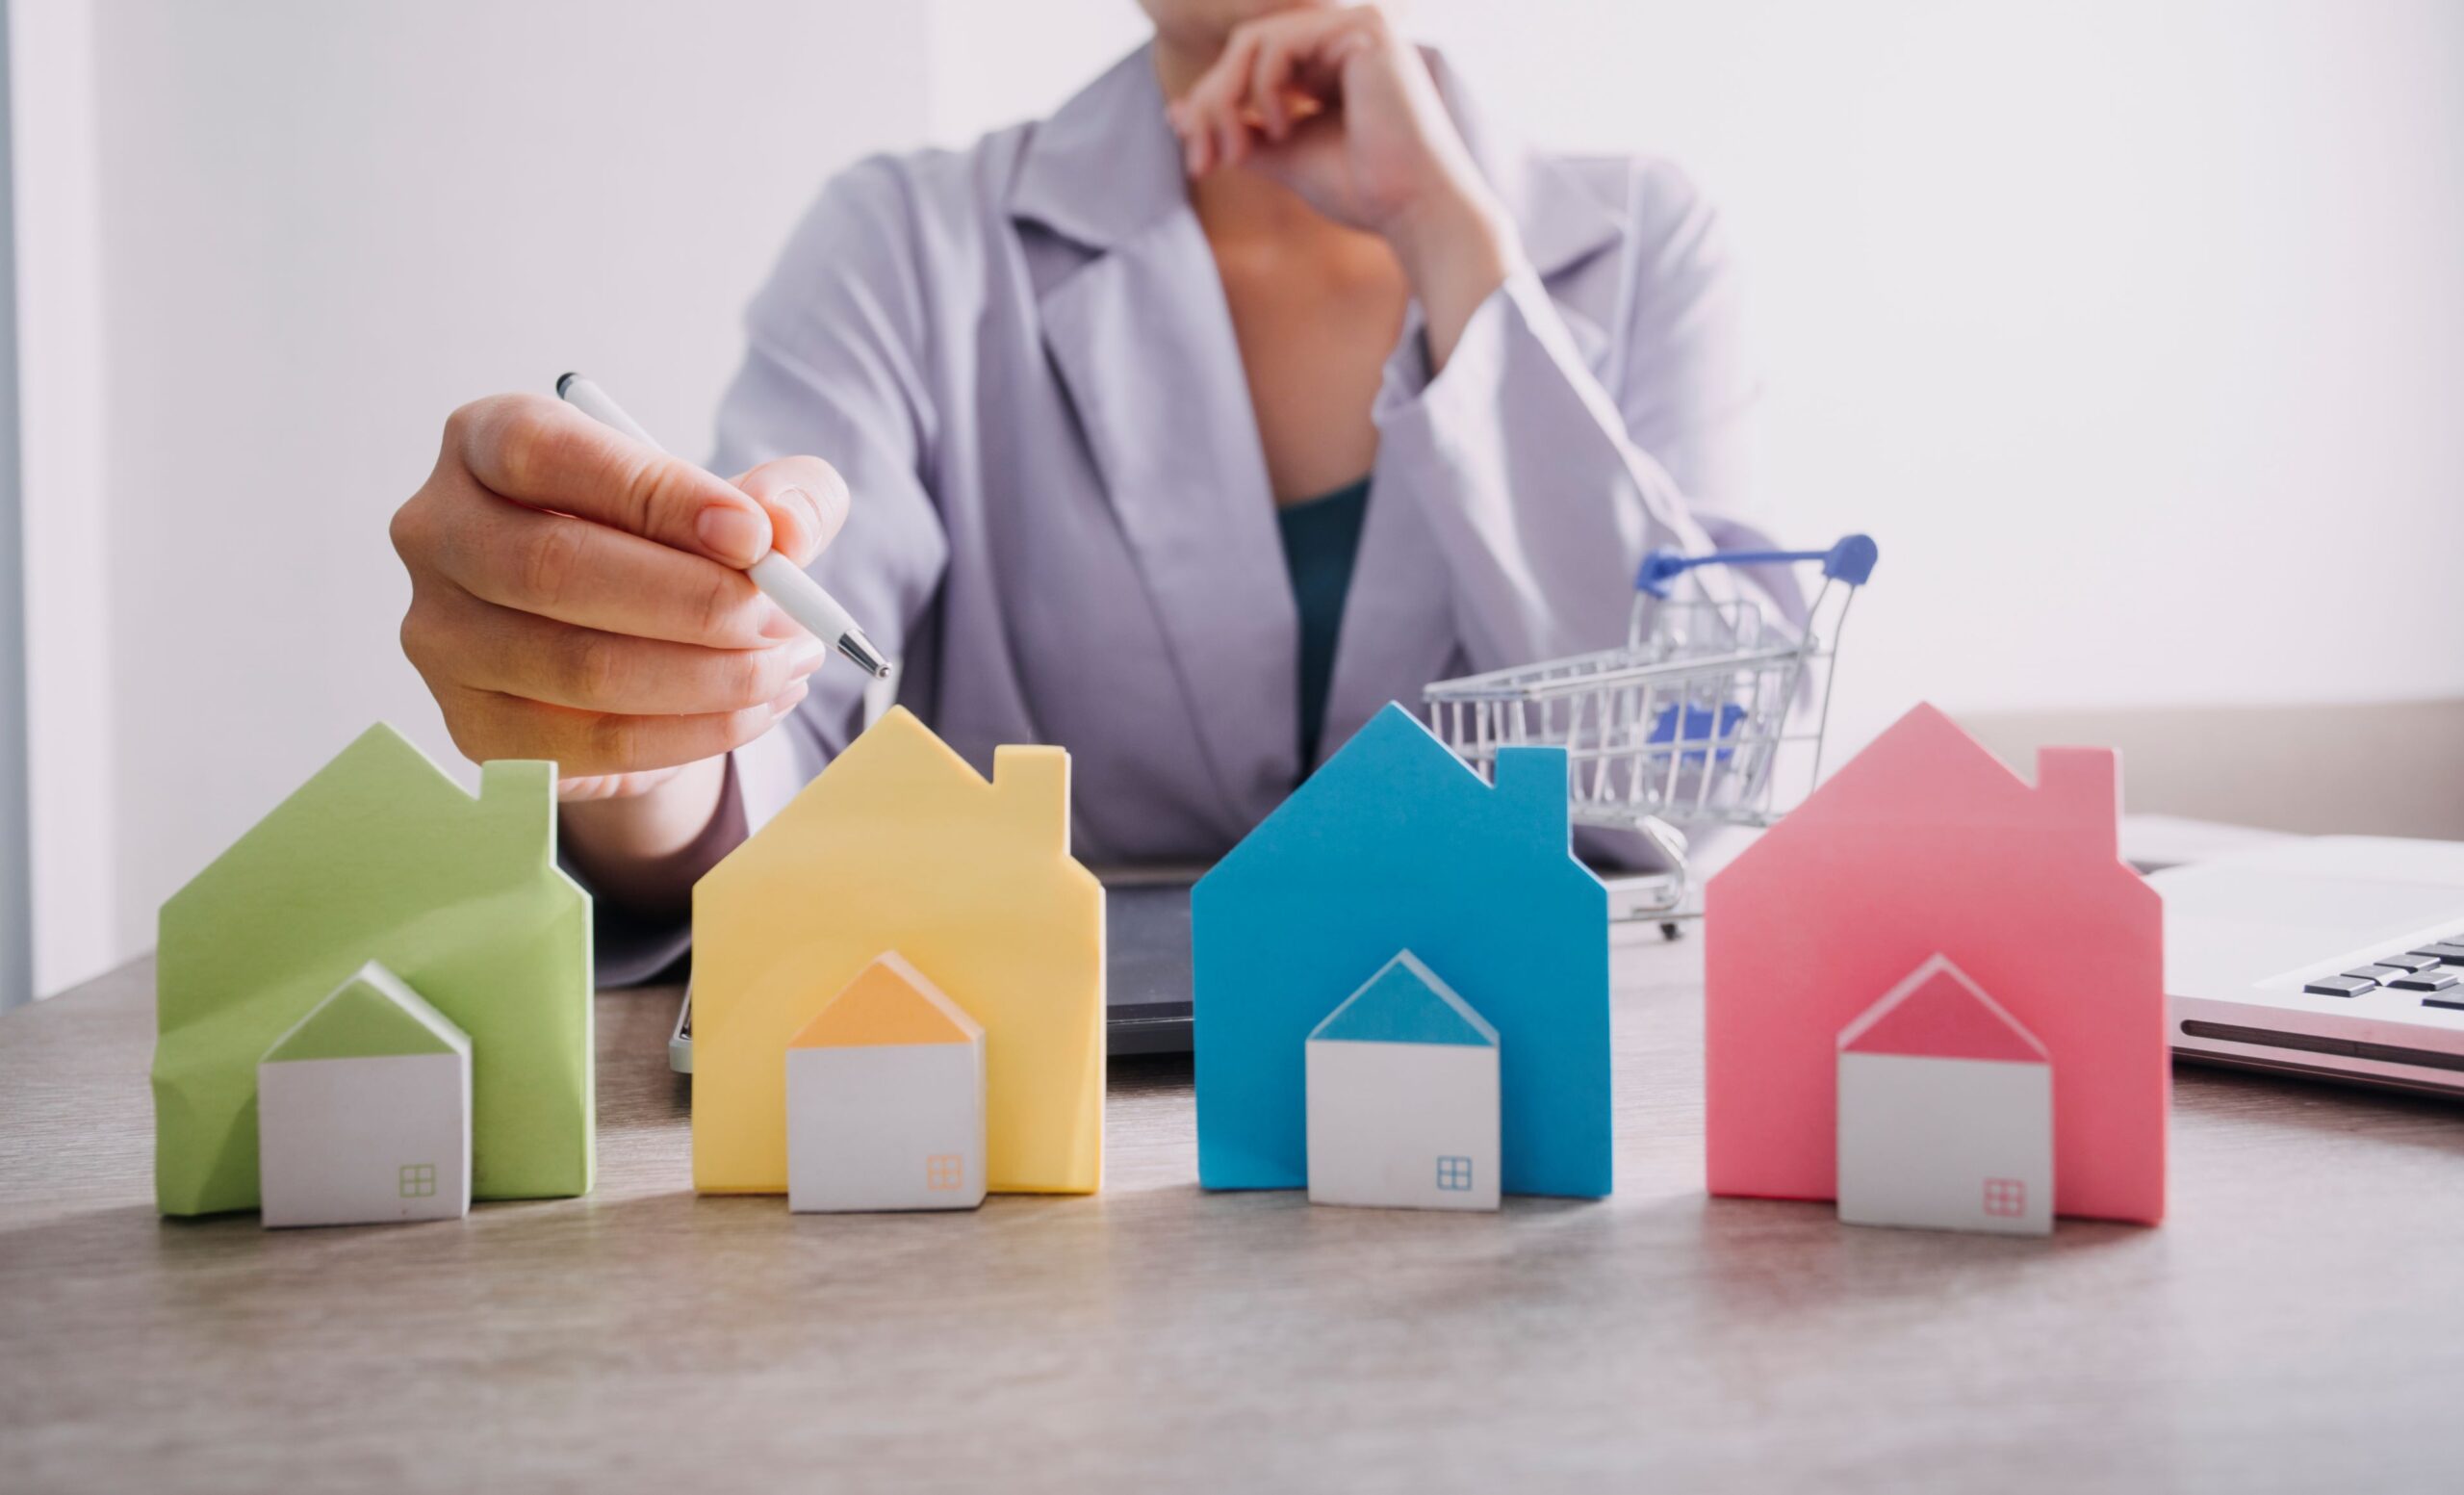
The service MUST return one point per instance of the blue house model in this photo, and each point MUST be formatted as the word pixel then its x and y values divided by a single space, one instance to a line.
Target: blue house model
pixel 1396 844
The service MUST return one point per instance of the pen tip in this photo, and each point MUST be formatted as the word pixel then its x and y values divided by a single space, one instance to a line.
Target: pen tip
pixel 563 379
pixel 862 652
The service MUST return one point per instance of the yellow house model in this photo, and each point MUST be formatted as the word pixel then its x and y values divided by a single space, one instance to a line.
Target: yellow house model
pixel 899 845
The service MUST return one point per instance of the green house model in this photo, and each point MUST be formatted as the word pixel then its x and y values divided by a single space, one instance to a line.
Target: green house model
pixel 382 857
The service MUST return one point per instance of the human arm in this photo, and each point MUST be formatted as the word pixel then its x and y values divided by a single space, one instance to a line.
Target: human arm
pixel 1547 458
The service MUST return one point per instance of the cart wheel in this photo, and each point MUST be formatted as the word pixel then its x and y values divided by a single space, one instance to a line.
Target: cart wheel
pixel 1670 929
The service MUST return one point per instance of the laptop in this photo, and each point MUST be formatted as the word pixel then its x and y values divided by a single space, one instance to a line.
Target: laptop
pixel 1147 979
pixel 2335 957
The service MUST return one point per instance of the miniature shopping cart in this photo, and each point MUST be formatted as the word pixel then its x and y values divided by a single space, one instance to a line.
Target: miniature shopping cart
pixel 1708 714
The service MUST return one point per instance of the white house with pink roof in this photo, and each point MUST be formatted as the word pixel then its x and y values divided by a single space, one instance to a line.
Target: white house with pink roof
pixel 1945 1111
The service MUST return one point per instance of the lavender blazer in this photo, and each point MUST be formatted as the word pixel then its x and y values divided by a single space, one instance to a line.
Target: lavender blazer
pixel 1020 356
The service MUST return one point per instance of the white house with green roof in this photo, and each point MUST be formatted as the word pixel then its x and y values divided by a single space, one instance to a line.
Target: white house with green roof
pixel 364 1109
pixel 1403 1096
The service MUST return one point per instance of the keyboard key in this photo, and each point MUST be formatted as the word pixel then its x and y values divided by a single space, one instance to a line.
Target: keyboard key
pixel 2448 951
pixel 2436 980
pixel 2452 997
pixel 2340 986
pixel 2409 962
pixel 2377 972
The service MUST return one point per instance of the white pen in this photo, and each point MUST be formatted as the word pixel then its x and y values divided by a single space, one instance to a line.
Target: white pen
pixel 781 579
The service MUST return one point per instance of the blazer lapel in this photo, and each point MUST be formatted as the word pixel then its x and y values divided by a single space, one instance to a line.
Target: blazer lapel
pixel 1140 336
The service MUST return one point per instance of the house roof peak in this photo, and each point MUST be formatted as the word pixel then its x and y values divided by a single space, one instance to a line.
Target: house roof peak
pixel 383 746
pixel 889 1002
pixel 373 1014
pixel 1925 770
pixel 381 783
pixel 1394 769
pixel 1937 1012
pixel 1406 1003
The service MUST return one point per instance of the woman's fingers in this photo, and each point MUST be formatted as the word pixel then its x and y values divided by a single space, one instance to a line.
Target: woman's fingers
pixel 599 577
pixel 587 743
pixel 1294 73
pixel 594 576
pixel 546 455
pixel 578 595
pixel 1197 131
pixel 1274 74
pixel 807 500
pixel 514 653
pixel 1270 69
pixel 1229 96
pixel 1209 114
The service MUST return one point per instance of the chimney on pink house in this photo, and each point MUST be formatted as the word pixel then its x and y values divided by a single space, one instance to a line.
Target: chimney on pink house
pixel 2081 786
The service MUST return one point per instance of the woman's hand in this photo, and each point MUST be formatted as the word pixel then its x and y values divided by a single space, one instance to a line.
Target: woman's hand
pixel 578 596
pixel 1337 106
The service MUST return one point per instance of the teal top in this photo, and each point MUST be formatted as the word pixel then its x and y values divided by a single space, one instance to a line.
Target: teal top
pixel 1320 539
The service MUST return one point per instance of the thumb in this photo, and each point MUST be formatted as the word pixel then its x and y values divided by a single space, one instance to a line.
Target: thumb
pixel 807 500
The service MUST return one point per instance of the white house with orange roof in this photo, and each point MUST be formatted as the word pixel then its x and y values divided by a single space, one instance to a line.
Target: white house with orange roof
pixel 886 1099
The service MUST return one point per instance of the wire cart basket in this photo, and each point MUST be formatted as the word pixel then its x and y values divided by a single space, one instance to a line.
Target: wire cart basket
pixel 1707 715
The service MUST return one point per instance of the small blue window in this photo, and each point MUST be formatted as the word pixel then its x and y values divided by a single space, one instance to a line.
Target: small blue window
pixel 1454 1173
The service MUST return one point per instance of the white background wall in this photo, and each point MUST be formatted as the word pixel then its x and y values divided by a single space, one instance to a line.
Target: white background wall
pixel 270 246
pixel 2132 330
pixel 17 903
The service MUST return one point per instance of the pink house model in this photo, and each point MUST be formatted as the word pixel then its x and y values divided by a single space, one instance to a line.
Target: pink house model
pixel 1924 843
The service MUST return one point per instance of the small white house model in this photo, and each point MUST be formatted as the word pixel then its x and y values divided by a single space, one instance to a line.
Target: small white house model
pixel 364 1109
pixel 1403 1096
pixel 1945 1111
pixel 886 1099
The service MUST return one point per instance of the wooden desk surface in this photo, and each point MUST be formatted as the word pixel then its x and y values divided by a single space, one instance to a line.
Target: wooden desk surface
pixel 2297 1325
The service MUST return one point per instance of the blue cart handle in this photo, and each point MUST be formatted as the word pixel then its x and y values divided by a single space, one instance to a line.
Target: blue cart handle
pixel 1850 561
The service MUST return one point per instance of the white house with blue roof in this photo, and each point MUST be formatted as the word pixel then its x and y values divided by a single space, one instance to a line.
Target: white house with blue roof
pixel 1403 1096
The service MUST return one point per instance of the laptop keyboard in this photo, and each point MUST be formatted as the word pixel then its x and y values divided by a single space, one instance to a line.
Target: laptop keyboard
pixel 2436 970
